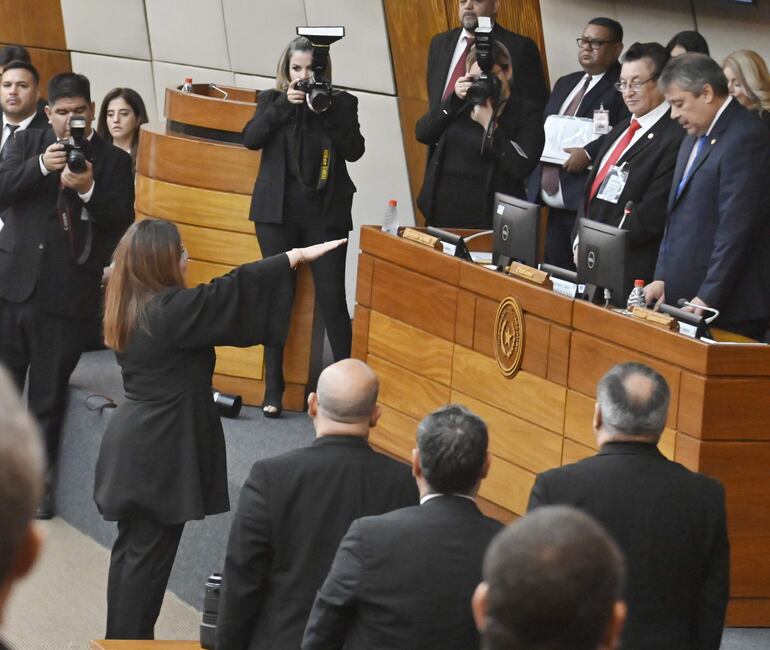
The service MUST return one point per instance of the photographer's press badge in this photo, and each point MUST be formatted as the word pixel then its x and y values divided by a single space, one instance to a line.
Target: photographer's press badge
pixel 613 184
pixel 601 121
pixel 509 337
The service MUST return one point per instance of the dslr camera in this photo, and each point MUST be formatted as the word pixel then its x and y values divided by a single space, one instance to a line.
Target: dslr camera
pixel 76 146
pixel 318 88
pixel 487 85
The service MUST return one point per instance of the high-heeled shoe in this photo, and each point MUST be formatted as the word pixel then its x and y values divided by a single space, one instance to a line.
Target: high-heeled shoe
pixel 272 405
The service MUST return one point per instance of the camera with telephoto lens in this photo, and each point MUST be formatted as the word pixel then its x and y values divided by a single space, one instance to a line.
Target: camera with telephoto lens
pixel 318 87
pixel 77 147
pixel 486 85
pixel 210 611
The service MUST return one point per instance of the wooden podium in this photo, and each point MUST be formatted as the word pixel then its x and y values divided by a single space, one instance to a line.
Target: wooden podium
pixel 194 171
pixel 424 321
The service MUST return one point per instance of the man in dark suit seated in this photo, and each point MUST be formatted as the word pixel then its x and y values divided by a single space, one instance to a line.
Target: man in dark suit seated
pixel 714 250
pixel 59 233
pixel 21 485
pixel 554 580
pixel 668 521
pixel 635 161
pixel 405 579
pixel 579 94
pixel 295 508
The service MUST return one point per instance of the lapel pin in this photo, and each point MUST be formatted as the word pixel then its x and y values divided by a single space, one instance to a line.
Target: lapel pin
pixel 714 141
pixel 650 136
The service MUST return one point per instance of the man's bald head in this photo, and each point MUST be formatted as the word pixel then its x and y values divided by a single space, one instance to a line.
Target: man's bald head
pixel 633 400
pixel 347 392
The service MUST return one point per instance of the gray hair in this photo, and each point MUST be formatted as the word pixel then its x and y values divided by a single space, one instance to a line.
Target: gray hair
pixel 21 472
pixel 633 412
pixel 691 72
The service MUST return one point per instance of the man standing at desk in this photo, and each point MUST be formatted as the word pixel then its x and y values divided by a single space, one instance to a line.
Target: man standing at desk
pixel 714 250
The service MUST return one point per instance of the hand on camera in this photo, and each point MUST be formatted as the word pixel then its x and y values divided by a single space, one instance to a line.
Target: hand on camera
pixel 82 182
pixel 577 162
pixel 55 157
pixel 462 85
pixel 483 113
pixel 312 253
pixel 293 95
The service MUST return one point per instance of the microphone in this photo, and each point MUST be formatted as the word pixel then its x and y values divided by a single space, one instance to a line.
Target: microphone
pixel 684 303
pixel 626 211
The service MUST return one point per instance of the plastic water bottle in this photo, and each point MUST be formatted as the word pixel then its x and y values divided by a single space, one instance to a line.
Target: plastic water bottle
pixel 636 297
pixel 187 86
pixel 390 220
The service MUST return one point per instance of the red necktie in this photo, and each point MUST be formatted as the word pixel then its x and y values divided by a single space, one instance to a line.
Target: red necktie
pixel 550 178
pixel 617 152
pixel 459 70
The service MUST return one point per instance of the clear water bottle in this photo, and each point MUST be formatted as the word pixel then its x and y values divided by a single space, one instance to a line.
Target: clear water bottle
pixel 187 86
pixel 636 297
pixel 390 220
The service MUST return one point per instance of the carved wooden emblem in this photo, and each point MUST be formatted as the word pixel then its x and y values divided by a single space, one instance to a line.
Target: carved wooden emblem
pixel 509 337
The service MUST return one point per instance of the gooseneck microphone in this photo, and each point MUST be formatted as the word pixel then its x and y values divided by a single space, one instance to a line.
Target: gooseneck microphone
pixel 685 303
pixel 626 211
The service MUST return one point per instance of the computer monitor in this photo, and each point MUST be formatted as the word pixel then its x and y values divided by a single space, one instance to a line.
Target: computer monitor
pixel 460 247
pixel 603 260
pixel 516 225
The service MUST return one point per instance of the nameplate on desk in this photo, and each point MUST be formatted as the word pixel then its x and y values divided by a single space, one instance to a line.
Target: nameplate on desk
pixel 564 287
pixel 422 238
pixel 529 274
pixel 657 318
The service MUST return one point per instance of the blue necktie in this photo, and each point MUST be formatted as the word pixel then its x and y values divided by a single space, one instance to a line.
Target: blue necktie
pixel 699 144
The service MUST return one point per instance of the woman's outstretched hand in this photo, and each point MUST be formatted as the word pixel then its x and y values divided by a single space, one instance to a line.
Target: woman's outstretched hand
pixel 310 253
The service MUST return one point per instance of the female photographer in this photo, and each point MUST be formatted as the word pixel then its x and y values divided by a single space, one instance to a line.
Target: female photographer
pixel 120 116
pixel 162 460
pixel 303 194
pixel 478 149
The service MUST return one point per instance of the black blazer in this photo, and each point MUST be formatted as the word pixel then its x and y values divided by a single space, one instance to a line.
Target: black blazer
pixel 404 580
pixel 267 131
pixel 293 511
pixel 718 231
pixel 650 166
pixel 34 253
pixel 40 121
pixel 528 77
pixel 670 523
pixel 602 94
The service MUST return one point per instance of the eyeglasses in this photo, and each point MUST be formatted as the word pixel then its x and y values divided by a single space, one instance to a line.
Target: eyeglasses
pixel 593 43
pixel 636 86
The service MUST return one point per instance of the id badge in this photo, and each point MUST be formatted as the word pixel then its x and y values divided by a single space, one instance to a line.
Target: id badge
pixel 601 121
pixel 612 185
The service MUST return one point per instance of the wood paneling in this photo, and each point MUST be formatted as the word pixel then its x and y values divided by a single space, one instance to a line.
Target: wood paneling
pixel 217 246
pixel 574 451
pixel 747 612
pixel 507 485
pixel 199 272
pixel 523 17
pixel 252 392
pixel 35 23
pixel 360 345
pixel 415 300
pixel 297 355
pixel 484 327
pixel 407 392
pixel 495 511
pixel 195 162
pixel 558 354
pixel 526 396
pixel 395 433
pixel 207 112
pixel 466 318
pixel 687 451
pixel 578 421
pixel 411 348
pixel 240 362
pixel 48 63
pixel 194 206
pixel 364 280
pixel 515 440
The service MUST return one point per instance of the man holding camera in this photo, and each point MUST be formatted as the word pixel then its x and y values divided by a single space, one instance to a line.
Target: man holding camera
pixel 67 208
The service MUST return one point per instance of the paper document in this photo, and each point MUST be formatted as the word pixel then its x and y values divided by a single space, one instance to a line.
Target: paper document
pixel 563 131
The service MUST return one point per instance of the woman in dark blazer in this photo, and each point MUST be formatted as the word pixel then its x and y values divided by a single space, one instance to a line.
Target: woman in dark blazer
pixel 162 459
pixel 298 199
pixel 476 151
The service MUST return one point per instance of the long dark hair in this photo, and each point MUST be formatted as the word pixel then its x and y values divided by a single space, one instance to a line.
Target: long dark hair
pixel 134 100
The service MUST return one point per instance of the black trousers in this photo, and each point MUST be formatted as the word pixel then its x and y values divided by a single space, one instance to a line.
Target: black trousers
pixel 558 238
pixel 140 565
pixel 328 278
pixel 49 346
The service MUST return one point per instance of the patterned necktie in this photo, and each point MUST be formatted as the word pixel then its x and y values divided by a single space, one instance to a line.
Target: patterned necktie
pixel 699 143
pixel 550 178
pixel 11 130
pixel 617 152
pixel 459 70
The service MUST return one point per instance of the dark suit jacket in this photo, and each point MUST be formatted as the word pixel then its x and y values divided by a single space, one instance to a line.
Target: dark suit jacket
pixel 650 166
pixel 602 94
pixel 528 77
pixel 404 580
pixel 34 252
pixel 267 131
pixel 670 523
pixel 718 232
pixel 294 509
pixel 40 121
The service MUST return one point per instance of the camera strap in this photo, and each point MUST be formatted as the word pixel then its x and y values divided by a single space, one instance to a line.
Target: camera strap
pixel 75 223
pixel 327 156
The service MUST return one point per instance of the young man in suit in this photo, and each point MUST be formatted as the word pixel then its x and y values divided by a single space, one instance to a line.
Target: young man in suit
pixel 405 579
pixel 642 151
pixel 60 230
pixel 21 485
pixel 714 251
pixel 579 94
pixel 553 579
pixel 295 508
pixel 19 92
pixel 669 522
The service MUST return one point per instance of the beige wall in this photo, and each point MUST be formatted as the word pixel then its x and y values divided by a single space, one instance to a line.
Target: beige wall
pixel 725 26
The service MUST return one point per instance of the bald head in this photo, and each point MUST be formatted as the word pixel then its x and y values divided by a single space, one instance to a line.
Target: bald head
pixel 347 392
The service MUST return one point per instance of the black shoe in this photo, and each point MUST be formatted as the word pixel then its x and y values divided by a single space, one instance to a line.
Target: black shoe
pixel 45 509
pixel 272 405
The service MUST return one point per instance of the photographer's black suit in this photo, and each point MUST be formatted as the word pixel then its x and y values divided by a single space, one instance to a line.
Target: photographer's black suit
pixel 46 299
pixel 289 214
